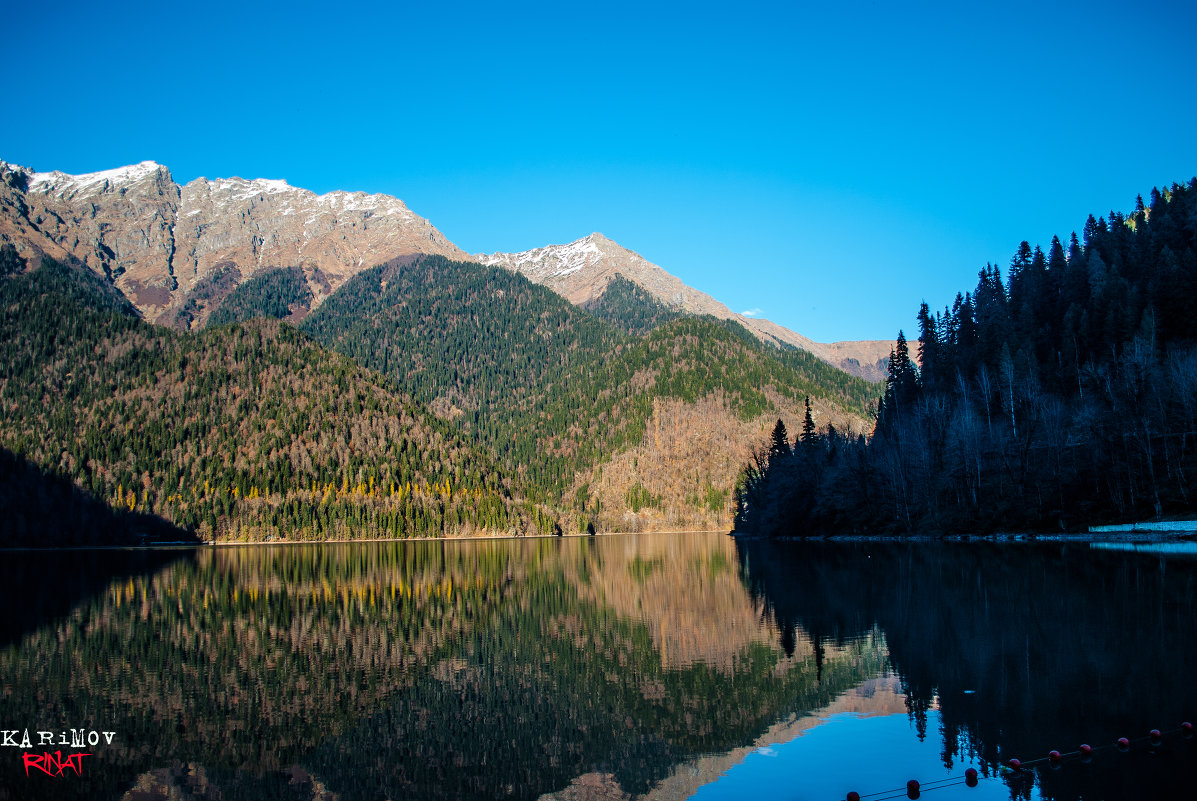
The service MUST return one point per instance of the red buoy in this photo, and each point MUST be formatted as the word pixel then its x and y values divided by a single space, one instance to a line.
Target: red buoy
pixel 1086 751
pixel 912 789
pixel 1123 743
pixel 1054 756
pixel 1155 734
pixel 1015 764
pixel 970 777
pixel 1187 728
pixel 853 796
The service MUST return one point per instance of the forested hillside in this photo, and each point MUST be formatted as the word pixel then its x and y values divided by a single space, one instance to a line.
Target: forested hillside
pixel 280 294
pixel 1059 396
pixel 464 399
pixel 630 308
pixel 246 431
pixel 547 385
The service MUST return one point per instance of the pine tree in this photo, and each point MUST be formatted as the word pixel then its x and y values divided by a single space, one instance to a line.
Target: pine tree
pixel 903 378
pixel 929 348
pixel 779 440
pixel 901 386
pixel 808 425
pixel 1093 229
pixel 990 309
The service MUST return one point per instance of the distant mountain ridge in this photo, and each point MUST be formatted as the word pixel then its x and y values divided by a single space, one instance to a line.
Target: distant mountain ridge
pixel 582 270
pixel 177 250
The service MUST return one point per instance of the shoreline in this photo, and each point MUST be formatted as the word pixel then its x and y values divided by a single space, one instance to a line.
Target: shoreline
pixel 179 546
pixel 1148 531
pixel 1168 526
pixel 1115 535
pixel 1180 531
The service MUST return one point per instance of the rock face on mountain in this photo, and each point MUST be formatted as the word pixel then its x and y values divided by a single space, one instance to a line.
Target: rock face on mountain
pixel 118 222
pixel 582 270
pixel 175 251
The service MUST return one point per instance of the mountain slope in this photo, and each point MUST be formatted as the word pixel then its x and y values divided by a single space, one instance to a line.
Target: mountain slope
pixel 160 242
pixel 177 251
pixel 558 392
pixel 582 272
pixel 280 294
pixel 567 405
pixel 630 308
pixel 244 431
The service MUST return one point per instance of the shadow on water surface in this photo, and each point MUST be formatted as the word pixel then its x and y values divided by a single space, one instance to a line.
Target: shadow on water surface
pixel 1021 648
pixel 49 585
pixel 46 512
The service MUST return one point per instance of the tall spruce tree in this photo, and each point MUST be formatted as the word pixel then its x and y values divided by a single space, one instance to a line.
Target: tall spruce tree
pixel 808 425
pixel 779 441
pixel 901 386
pixel 929 348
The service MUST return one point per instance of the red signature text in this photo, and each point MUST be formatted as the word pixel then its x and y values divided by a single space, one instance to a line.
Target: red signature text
pixel 54 764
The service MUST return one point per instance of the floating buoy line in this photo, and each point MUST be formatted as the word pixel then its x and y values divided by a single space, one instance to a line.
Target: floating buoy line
pixel 1016 768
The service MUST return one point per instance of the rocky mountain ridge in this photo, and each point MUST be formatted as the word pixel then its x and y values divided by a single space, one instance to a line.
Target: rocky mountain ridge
pixel 177 250
pixel 581 271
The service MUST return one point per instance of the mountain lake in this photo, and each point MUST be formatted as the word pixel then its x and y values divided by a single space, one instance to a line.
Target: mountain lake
pixel 657 666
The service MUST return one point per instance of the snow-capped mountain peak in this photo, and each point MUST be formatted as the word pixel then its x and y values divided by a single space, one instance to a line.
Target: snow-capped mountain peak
pixel 60 183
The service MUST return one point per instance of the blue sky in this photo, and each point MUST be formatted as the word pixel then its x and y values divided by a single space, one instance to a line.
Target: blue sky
pixel 829 164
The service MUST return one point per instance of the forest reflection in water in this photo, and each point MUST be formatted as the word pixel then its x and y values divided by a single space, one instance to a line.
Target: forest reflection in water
pixel 1018 648
pixel 604 667
pixel 412 669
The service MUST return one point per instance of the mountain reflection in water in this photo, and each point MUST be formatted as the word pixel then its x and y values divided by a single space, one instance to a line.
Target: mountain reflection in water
pixel 662 666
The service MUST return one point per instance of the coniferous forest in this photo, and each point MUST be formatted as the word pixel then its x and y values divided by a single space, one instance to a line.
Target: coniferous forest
pixel 1057 395
pixel 428 397
pixel 246 431
pixel 424 398
pixel 549 386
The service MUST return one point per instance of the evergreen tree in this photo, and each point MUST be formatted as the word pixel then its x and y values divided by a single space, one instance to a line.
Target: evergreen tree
pixel 903 377
pixel 992 316
pixel 808 425
pixel 1076 405
pixel 10 261
pixel 779 441
pixel 929 348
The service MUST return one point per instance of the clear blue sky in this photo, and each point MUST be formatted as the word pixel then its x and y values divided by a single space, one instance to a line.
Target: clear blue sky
pixel 830 164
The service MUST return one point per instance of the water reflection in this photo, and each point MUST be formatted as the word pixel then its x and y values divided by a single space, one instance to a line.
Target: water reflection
pixel 1170 548
pixel 659 666
pixel 762 767
pixel 402 670
pixel 45 585
pixel 1022 648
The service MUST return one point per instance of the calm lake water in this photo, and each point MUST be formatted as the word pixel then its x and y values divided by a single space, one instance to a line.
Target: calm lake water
pixel 656 666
